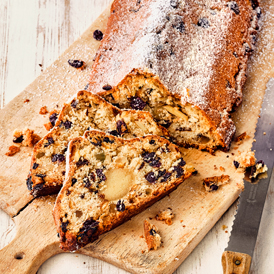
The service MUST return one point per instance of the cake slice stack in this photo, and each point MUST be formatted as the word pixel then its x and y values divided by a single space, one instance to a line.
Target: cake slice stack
pixel 86 111
pixel 109 180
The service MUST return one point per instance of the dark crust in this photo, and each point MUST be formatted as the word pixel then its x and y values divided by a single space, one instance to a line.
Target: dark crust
pixel 217 99
pixel 53 184
pixel 70 243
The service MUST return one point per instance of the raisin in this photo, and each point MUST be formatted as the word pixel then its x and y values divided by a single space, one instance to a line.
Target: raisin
pixel 261 162
pixel 87 230
pixel 58 235
pixel 81 162
pixel 259 12
pixel 68 192
pixel 166 124
pixel 137 103
pixel 64 226
pixel 255 3
pixel 152 232
pixel 92 176
pixel 165 177
pixel 203 22
pixel 73 181
pixel 101 176
pixel 107 87
pixel 63 173
pixel 74 103
pixel 214 187
pixel 67 124
pixel 174 4
pixel 38 186
pixel 161 173
pixel 236 164
pixel 234 6
pixel 18 140
pixel 141 166
pixel 120 206
pixel 76 63
pixel 96 142
pixel 35 165
pixel 107 140
pixel 86 182
pixel 82 196
pixel 179 171
pixel 180 26
pixel 151 159
pixel 29 183
pixel 114 133
pixel 87 112
pixel 121 127
pixel 252 171
pixel 151 142
pixel 150 177
pixel 40 175
pixel 58 157
pixel 52 118
pixel 86 86
pixel 148 157
pixel 182 162
pixel 98 35
pixel 50 141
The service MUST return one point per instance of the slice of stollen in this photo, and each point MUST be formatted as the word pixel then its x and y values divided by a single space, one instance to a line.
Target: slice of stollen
pixel 109 180
pixel 85 111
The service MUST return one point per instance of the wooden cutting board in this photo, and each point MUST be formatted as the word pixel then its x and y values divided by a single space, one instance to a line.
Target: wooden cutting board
pixel 196 211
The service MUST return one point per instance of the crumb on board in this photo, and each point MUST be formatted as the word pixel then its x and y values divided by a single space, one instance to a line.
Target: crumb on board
pixel 48 126
pixel 222 168
pixel 25 138
pixel 240 138
pixel 165 215
pixel 12 150
pixel 245 159
pixel 43 110
pixel 213 183
pixel 152 236
pixel 224 227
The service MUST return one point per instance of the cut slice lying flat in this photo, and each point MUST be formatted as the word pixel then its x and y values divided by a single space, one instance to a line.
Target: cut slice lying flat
pixel 85 111
pixel 109 180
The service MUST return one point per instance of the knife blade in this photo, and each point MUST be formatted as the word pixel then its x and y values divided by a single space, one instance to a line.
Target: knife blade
pixel 236 258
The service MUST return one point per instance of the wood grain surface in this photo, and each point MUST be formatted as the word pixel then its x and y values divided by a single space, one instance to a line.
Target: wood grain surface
pixel 37 32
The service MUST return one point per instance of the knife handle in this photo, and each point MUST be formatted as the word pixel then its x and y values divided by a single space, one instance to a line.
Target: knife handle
pixel 235 262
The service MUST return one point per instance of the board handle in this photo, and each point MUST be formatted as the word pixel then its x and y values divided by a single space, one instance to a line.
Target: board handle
pixel 35 240
pixel 235 262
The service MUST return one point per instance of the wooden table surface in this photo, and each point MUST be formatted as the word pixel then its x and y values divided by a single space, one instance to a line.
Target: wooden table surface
pixel 36 32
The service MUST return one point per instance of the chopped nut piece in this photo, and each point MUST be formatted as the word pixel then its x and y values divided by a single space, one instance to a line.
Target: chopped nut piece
pixel 222 168
pixel 176 112
pixel 152 237
pixel 48 126
pixel 165 215
pixel 213 183
pixel 12 150
pixel 43 110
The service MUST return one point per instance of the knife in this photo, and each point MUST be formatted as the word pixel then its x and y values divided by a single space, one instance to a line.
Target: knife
pixel 236 258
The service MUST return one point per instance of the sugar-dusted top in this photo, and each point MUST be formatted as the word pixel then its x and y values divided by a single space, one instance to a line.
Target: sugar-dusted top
pixel 198 48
